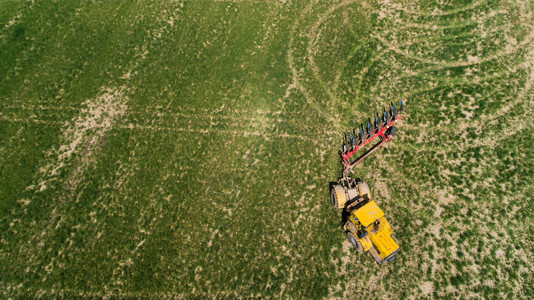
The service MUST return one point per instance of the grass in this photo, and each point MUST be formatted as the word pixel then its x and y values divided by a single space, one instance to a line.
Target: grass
pixel 184 149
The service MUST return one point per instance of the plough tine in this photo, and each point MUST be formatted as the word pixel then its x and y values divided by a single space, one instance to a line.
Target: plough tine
pixel 379 121
pixel 377 124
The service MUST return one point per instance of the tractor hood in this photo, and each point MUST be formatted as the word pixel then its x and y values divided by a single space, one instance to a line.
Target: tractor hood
pixel 369 213
pixel 384 243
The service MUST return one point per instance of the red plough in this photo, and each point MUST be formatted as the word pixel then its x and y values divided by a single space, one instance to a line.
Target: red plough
pixel 383 129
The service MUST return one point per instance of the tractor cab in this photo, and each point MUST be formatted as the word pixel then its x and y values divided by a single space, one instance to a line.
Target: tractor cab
pixel 373 232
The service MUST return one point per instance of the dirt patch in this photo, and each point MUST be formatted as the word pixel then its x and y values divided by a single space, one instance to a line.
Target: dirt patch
pixel 427 288
pixel 83 135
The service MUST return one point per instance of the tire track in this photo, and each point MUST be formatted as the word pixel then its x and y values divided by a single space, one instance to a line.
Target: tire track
pixel 470 62
pixel 296 83
pixel 312 48
pixel 207 131
pixel 436 12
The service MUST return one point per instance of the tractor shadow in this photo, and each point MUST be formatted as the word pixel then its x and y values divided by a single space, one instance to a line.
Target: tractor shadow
pixel 344 213
pixel 344 217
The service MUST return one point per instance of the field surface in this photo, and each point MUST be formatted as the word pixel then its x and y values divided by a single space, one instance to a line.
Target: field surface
pixel 185 148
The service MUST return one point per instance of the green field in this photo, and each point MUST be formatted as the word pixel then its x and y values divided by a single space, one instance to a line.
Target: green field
pixel 185 148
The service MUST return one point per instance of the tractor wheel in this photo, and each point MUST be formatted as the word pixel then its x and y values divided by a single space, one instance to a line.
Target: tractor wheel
pixel 391 132
pixel 333 196
pixel 354 241
pixel 364 189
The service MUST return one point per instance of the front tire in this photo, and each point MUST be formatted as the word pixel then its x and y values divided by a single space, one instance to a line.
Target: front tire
pixel 354 241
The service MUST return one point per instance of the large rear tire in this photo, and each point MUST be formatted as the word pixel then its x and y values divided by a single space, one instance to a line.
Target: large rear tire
pixel 354 241
pixel 337 196
pixel 333 196
pixel 364 189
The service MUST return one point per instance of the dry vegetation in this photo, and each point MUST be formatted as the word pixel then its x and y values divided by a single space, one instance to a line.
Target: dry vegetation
pixel 176 149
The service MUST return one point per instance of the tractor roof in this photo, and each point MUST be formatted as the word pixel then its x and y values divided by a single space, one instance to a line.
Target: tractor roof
pixel 369 213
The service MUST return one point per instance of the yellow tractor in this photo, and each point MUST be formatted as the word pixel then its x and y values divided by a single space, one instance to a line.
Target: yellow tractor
pixel 365 225
pixel 367 229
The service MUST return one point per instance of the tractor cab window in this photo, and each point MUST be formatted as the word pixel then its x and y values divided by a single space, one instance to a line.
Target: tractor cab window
pixel 375 226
